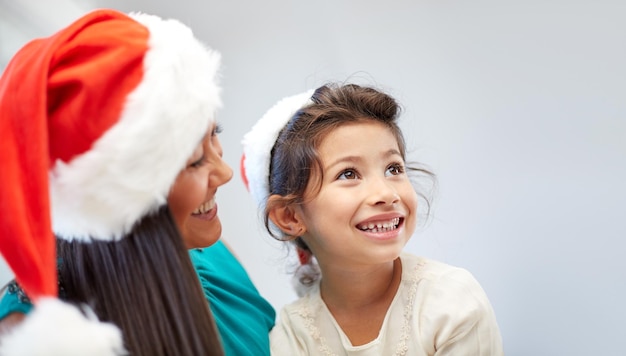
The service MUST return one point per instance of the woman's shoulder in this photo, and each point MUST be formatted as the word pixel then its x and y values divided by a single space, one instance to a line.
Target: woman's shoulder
pixel 215 259
pixel 14 300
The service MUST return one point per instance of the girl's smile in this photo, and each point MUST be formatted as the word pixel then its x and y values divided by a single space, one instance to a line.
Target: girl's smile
pixel 381 227
pixel 365 209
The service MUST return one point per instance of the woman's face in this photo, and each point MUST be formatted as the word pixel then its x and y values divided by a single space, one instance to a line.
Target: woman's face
pixel 192 198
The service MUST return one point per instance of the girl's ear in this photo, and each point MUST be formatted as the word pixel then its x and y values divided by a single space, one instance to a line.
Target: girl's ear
pixel 285 216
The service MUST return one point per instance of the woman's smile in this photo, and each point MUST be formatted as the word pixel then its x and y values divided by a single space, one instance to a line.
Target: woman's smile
pixel 192 198
pixel 207 210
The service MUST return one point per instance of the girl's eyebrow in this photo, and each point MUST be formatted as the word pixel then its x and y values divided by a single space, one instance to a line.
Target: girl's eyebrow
pixel 392 152
pixel 357 159
pixel 346 159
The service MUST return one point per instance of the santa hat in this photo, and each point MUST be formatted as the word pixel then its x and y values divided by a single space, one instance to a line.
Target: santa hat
pixel 259 141
pixel 255 166
pixel 96 122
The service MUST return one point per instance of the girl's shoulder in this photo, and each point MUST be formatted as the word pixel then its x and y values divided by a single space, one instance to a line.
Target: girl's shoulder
pixel 426 269
pixel 450 306
pixel 443 289
pixel 309 303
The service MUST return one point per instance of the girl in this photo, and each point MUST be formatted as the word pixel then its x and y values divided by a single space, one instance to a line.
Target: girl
pixel 333 179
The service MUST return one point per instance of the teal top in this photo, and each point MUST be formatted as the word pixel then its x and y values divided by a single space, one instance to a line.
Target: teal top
pixel 14 300
pixel 243 317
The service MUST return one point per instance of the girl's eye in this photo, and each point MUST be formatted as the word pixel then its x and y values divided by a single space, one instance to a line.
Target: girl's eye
pixel 395 169
pixel 348 174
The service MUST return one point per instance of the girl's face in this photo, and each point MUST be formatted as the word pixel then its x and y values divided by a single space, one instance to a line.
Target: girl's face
pixel 192 198
pixel 366 209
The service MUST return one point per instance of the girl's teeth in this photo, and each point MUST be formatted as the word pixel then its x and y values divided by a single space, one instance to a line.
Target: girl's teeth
pixel 381 226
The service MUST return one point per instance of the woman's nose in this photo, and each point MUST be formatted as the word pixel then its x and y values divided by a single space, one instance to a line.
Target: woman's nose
pixel 220 172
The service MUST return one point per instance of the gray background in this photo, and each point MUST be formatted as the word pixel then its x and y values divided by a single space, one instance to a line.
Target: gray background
pixel 518 106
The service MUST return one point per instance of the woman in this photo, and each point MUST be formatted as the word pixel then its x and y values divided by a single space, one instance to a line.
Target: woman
pixel 102 153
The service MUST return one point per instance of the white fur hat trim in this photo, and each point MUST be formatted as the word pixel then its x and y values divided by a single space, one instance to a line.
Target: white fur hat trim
pixel 55 328
pixel 162 122
pixel 258 143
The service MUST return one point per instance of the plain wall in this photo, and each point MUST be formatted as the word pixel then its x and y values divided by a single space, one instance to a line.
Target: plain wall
pixel 519 107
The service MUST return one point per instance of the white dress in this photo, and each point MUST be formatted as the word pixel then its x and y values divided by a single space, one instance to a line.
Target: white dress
pixel 438 310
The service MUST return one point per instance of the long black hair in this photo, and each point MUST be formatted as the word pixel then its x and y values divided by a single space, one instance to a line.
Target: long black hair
pixel 146 285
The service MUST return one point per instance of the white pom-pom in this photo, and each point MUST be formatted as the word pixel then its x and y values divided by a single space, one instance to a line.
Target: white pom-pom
pixel 305 278
pixel 57 328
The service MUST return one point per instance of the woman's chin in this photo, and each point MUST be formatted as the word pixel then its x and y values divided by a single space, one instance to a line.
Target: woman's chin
pixel 202 236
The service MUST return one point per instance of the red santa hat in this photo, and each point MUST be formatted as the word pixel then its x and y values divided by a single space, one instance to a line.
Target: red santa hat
pixel 96 122
pixel 255 165
pixel 259 141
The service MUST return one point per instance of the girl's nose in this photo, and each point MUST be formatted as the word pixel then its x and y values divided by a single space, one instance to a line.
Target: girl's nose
pixel 382 192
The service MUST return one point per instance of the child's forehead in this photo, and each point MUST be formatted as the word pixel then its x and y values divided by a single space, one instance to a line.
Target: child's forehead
pixel 357 138
pixel 350 128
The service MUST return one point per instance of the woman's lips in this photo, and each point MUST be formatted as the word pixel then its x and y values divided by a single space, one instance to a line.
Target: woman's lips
pixel 208 215
pixel 206 211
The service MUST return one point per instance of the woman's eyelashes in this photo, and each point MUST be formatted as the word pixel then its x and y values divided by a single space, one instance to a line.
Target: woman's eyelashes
pixel 217 130
pixel 199 162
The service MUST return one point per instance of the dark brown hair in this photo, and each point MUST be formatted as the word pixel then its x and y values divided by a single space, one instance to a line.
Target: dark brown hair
pixel 146 285
pixel 294 156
